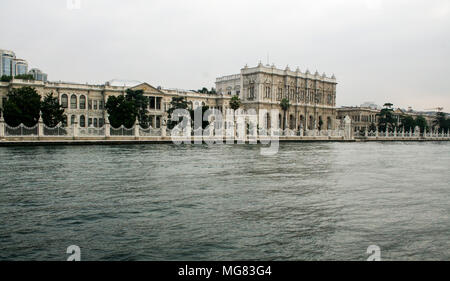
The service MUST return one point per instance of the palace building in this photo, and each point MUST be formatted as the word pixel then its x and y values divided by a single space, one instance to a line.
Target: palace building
pixel 312 97
pixel 85 104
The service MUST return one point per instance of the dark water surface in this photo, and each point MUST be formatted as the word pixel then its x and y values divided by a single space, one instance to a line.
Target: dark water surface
pixel 311 201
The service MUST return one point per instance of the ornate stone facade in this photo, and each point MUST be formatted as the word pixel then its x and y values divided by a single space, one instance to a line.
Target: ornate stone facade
pixel 85 104
pixel 363 117
pixel 312 97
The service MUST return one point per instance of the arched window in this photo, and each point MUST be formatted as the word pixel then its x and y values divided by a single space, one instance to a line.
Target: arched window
pixel 82 121
pixel 268 122
pixel 302 122
pixel 64 120
pixel 95 122
pixel 158 122
pixel 329 125
pixel 73 102
pixel 72 119
pixel 82 102
pixel 291 122
pixel 64 101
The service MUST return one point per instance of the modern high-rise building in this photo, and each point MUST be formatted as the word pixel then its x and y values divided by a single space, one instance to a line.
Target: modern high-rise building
pixel 19 67
pixel 6 62
pixel 10 65
pixel 38 75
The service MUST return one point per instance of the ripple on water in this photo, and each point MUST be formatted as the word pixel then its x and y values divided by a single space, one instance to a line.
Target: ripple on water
pixel 311 201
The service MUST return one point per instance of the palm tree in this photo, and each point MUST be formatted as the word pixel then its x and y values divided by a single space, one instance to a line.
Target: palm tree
pixel 235 103
pixel 284 106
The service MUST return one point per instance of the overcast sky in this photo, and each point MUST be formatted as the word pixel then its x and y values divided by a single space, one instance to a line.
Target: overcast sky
pixel 379 50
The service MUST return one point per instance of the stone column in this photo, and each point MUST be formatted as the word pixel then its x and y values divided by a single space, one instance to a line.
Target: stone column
pixel 164 126
pixel 40 126
pixel 2 127
pixel 136 128
pixel 107 128
pixel 75 128
pixel 348 127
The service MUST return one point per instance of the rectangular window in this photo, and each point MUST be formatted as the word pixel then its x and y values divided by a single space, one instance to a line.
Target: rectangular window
pixel 158 103
pixel 100 105
pixel 95 105
pixel 280 94
pixel 251 93
pixel 152 102
pixel 101 122
pixel 90 122
pixel 267 93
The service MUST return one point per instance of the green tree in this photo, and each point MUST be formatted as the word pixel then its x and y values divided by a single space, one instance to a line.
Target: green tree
pixel 421 122
pixel 407 122
pixel 386 120
pixel 52 112
pixel 124 110
pixel 203 90
pixel 121 111
pixel 5 78
pixel 24 77
pixel 284 106
pixel 175 103
pixel 320 124
pixel 372 127
pixel 22 107
pixel 441 121
pixel 235 102
pixel 141 103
